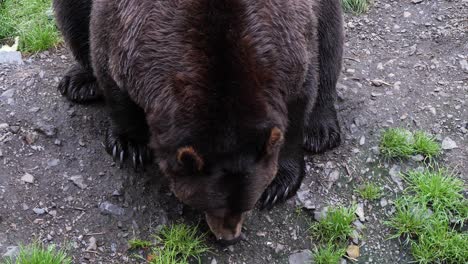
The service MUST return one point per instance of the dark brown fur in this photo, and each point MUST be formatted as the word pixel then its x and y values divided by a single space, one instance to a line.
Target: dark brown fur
pixel 224 93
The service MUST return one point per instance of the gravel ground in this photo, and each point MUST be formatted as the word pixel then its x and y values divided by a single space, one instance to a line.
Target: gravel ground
pixel 405 66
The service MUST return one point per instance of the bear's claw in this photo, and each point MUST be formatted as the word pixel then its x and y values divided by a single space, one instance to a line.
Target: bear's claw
pixel 120 148
pixel 323 133
pixel 79 85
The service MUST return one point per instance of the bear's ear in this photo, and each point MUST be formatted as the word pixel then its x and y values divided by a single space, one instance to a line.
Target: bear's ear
pixel 275 140
pixel 189 159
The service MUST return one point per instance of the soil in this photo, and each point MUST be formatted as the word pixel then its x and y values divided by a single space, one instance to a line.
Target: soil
pixel 405 66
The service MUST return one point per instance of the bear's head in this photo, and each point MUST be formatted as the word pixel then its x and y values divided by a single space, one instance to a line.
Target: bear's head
pixel 224 177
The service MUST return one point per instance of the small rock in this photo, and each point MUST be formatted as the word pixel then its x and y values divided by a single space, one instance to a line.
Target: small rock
pixel 359 225
pixel 376 94
pixel 12 252
pixel 301 257
pixel 10 57
pixel 52 163
pixel 360 212
pixel 377 82
pixel 383 202
pixel 58 142
pixel 39 211
pixel 108 208
pixel 448 144
pixel 320 214
pixel 406 14
pixel 34 109
pixel 333 177
pixel 416 1
pixel 53 213
pixel 48 130
pixel 14 129
pixel 7 94
pixel 28 178
pixel 78 181
pixel 92 246
pixel 395 175
pixel 4 126
pixel 214 261
pixel 464 65
pixel 353 251
pixel 362 141
pixel 417 158
pixel 30 138
pixel 304 198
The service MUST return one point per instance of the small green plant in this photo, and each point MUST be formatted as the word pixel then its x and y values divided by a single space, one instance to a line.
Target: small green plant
pixel 335 226
pixel 178 244
pixel 370 191
pixel 355 6
pixel 32 21
pixel 401 143
pixel 328 254
pixel 409 219
pixel 425 215
pixel 425 144
pixel 438 189
pixel 396 143
pixel 139 244
pixel 39 254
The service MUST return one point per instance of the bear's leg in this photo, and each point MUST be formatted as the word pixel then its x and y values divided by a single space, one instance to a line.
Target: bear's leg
pixel 79 84
pixel 322 130
pixel 291 161
pixel 128 136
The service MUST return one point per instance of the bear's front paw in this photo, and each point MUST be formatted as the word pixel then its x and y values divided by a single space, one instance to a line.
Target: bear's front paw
pixel 285 185
pixel 322 133
pixel 121 149
pixel 79 85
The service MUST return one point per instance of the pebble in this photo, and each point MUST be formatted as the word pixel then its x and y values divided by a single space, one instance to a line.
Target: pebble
pixel 108 208
pixel 464 65
pixel 359 225
pixel 320 214
pixel 4 126
pixel 214 261
pixel 301 257
pixel 333 177
pixel 417 158
pixel 14 129
pixel 7 94
pixel 448 144
pixel 39 211
pixel 92 245
pixel 360 212
pixel 48 130
pixel 383 202
pixel 12 252
pixel 353 251
pixel 362 141
pixel 416 1
pixel 406 14
pixel 304 198
pixel 78 181
pixel 10 57
pixel 28 178
pixel 395 175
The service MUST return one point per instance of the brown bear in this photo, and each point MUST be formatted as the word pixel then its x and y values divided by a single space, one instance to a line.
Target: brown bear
pixel 224 95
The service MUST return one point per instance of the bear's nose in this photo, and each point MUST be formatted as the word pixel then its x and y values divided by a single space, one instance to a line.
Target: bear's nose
pixel 225 242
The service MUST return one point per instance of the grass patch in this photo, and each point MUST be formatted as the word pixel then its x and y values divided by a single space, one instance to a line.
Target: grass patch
pixel 175 244
pixel 355 6
pixel 369 191
pixel 401 143
pixel 328 254
pixel 30 20
pixel 39 254
pixel 425 217
pixel 139 244
pixel 335 226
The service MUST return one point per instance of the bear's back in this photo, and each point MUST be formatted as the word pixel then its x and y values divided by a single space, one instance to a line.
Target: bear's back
pixel 195 50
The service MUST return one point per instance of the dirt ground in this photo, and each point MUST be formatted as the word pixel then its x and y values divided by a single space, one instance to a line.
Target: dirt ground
pixel 405 66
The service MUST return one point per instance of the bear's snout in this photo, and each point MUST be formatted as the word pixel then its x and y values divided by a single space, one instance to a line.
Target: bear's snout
pixel 227 228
